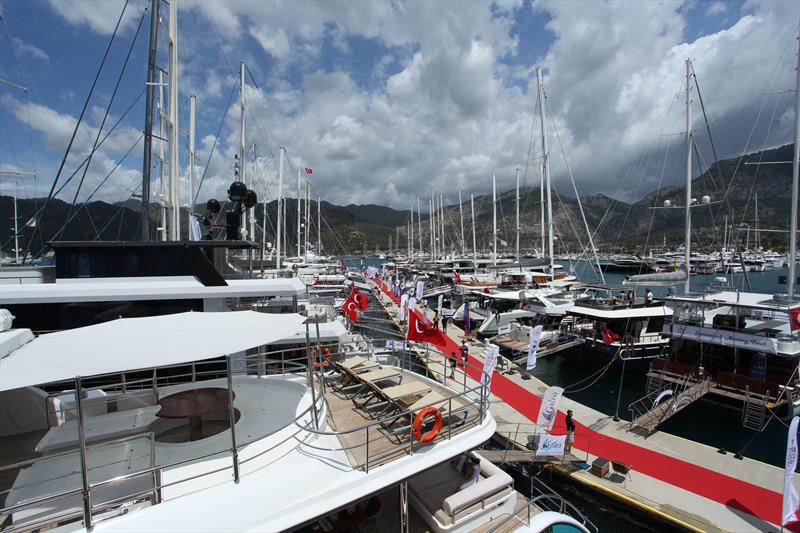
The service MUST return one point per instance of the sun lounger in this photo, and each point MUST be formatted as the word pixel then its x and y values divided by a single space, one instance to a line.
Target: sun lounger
pixel 375 376
pixel 391 396
pixel 350 369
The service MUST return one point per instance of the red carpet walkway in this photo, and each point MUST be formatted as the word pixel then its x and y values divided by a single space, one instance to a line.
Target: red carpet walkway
pixel 733 492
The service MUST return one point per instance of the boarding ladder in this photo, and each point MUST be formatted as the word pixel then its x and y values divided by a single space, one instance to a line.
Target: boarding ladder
pixel 753 410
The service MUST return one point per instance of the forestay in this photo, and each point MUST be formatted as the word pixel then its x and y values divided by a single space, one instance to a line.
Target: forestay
pixel 138 343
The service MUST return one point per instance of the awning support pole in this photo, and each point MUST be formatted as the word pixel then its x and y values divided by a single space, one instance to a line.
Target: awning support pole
pixel 232 420
pixel 87 491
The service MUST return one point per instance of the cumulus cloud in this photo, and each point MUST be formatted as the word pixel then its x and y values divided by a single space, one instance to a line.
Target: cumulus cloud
pixel 387 100
pixel 28 49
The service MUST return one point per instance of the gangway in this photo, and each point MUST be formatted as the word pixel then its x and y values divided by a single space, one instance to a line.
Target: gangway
pixel 685 395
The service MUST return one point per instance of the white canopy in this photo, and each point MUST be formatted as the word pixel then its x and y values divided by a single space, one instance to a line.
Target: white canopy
pixel 138 343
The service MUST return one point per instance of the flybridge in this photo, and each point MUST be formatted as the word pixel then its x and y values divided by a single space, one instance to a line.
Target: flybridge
pixel 136 259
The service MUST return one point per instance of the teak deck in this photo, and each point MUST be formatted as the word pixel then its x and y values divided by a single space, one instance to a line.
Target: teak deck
pixel 386 445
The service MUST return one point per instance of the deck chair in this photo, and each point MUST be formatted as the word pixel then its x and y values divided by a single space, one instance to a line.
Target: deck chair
pixel 350 369
pixel 368 380
pixel 389 397
pixel 457 415
pixel 621 469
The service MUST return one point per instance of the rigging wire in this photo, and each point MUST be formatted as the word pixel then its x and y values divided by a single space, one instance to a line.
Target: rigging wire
pixel 105 117
pixel 75 131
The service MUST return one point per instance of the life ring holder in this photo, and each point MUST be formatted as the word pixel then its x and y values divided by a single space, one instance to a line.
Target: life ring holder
pixel 420 418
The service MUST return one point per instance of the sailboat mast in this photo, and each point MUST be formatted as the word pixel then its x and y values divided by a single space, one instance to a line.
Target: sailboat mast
pixel 430 223
pixel 411 235
pixel 243 150
pixel 172 124
pixel 546 172
pixel 494 220
pixel 461 215
pixel 541 202
pixel 192 109
pixel 279 217
pixel 517 248
pixel 148 119
pixel 442 247
pixel 795 162
pixel 474 242
pixel 162 177
pixel 687 239
pixel 16 226
pixel 319 225
pixel 299 220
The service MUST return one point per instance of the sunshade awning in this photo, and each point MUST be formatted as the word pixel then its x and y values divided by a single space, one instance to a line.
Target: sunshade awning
pixel 138 343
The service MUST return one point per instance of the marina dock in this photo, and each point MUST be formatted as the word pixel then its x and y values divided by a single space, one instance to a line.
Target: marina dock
pixel 685 482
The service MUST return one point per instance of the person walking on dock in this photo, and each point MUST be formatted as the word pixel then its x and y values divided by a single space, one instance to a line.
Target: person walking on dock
pixel 453 361
pixel 570 431
pixel 464 349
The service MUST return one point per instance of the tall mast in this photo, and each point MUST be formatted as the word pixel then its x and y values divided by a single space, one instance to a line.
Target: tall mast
pixel 687 238
pixel 243 153
pixel 411 235
pixel 795 162
pixel 419 226
pixel 494 220
pixel 442 247
pixel 162 176
pixel 16 226
pixel 541 202
pixel 307 233
pixel 319 225
pixel 148 119
pixel 517 251
pixel 278 222
pixel 172 125
pixel 546 171
pixel 756 224
pixel 474 242
pixel 192 107
pixel 461 215
pixel 430 223
pixel 299 220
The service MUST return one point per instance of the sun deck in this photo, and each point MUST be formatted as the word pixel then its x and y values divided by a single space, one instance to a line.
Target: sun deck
pixel 372 439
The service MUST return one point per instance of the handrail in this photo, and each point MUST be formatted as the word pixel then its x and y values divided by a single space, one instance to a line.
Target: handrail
pixel 153 469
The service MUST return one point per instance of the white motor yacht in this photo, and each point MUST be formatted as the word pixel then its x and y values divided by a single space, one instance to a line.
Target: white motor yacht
pixel 185 423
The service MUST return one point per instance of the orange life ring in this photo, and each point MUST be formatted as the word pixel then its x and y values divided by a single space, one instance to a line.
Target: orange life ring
pixel 420 418
pixel 325 362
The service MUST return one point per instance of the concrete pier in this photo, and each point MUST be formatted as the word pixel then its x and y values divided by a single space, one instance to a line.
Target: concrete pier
pixel 685 482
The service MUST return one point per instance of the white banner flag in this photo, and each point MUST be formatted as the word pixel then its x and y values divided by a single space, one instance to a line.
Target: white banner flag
pixel 533 347
pixel 791 503
pixel 439 302
pixel 490 359
pixel 420 289
pixel 549 408
pixel 403 306
pixel 550 445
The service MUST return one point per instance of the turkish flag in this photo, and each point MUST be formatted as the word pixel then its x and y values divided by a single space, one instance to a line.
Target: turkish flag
pixel 350 308
pixel 456 277
pixel 309 171
pixel 609 336
pixel 794 318
pixel 360 298
pixel 419 331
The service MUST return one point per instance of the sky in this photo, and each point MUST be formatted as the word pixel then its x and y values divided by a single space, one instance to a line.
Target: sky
pixel 386 101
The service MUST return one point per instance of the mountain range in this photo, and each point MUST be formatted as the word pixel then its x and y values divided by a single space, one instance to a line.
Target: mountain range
pixel 731 186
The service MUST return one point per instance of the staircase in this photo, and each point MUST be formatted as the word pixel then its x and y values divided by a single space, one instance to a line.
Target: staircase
pixel 685 394
pixel 753 411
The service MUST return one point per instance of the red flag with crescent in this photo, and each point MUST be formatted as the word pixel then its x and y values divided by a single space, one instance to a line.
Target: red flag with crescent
pixel 794 315
pixel 350 308
pixel 360 298
pixel 419 331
